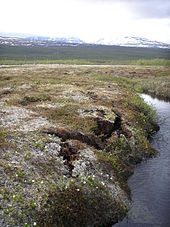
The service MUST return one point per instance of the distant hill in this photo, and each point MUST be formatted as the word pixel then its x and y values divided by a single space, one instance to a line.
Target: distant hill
pixel 38 41
pixel 28 40
pixel 132 41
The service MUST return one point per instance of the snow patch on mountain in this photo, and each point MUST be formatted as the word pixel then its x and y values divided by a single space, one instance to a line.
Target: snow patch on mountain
pixel 129 41
pixel 132 41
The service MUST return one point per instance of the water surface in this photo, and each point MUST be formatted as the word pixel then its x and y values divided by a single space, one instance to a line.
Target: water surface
pixel 150 184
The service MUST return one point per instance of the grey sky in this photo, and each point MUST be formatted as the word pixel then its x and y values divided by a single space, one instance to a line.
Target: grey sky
pixel 142 8
pixel 150 8
pixel 88 19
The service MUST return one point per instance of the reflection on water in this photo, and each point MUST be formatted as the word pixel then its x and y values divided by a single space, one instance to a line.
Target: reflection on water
pixel 150 184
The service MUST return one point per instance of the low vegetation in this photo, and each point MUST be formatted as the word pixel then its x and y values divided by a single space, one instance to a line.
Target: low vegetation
pixel 70 138
pixel 84 55
pixel 2 138
pixel 140 62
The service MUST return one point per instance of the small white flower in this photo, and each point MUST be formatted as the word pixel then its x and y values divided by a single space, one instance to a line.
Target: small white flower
pixel 16 175
pixel 84 182
pixel 33 181
pixel 102 183
pixel 42 182
pixel 111 178
pixel 96 187
pixel 78 189
pixel 13 196
pixel 35 223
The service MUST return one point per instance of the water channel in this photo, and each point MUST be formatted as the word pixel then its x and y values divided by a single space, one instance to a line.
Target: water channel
pixel 150 183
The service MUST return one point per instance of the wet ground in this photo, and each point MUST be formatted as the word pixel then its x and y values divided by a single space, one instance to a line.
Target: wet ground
pixel 150 184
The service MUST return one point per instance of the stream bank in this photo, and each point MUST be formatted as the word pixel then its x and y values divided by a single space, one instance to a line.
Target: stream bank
pixel 69 140
pixel 150 183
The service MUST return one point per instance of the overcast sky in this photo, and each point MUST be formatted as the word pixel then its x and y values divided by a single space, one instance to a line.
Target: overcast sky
pixel 87 19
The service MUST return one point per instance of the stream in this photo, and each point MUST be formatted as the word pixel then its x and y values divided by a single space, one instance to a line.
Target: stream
pixel 150 183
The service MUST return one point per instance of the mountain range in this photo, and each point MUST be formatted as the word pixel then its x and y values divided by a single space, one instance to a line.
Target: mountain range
pixel 132 41
pixel 26 40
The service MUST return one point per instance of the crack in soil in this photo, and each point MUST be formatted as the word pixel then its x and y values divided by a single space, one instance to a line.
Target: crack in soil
pixel 69 153
pixel 65 134
pixel 106 128
pixel 104 131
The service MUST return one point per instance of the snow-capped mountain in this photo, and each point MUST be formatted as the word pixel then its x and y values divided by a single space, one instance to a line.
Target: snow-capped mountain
pixel 38 41
pixel 132 41
pixel 57 40
pixel 129 41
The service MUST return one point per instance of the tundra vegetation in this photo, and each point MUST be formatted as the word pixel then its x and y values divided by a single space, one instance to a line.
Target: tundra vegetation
pixel 84 54
pixel 70 136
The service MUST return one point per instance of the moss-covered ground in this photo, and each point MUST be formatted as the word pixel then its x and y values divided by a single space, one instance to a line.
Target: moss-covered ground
pixel 70 136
